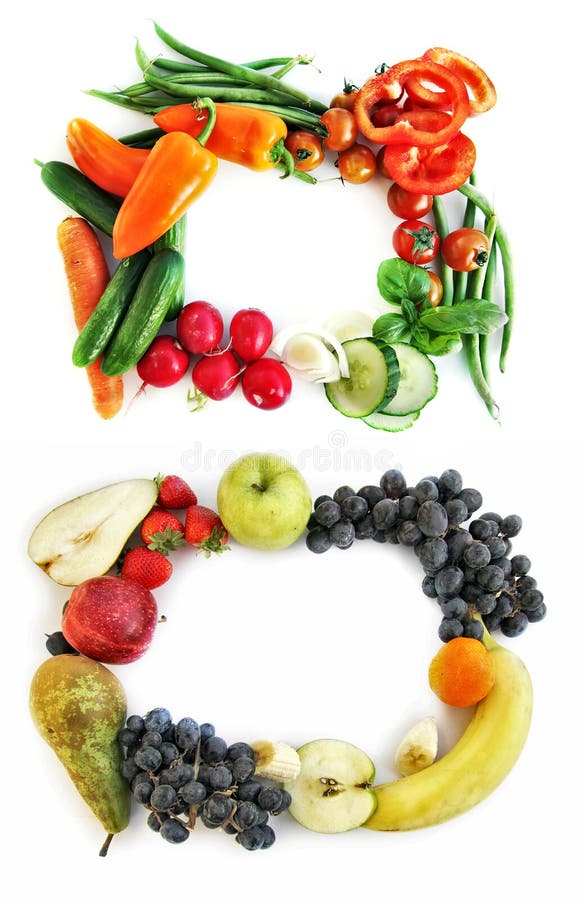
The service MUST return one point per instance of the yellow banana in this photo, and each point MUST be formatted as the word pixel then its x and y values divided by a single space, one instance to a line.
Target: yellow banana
pixel 475 766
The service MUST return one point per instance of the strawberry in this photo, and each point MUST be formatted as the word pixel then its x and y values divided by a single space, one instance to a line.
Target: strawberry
pixel 149 568
pixel 204 530
pixel 174 492
pixel 162 530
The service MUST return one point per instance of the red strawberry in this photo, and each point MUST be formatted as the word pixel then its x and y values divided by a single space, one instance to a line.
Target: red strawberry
pixel 148 567
pixel 162 531
pixel 204 530
pixel 174 492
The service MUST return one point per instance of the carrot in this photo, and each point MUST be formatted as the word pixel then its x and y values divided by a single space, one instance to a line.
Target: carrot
pixel 87 277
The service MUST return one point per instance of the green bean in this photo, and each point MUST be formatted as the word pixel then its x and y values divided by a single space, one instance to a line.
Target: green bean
pixel 503 245
pixel 488 293
pixel 446 272
pixel 147 105
pixel 174 65
pixel 267 82
pixel 472 341
pixel 297 118
pixel 145 138
pixel 220 94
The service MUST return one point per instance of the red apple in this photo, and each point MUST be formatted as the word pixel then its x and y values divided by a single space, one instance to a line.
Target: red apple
pixel 110 619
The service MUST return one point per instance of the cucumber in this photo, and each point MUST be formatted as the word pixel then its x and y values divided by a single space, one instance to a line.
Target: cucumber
pixel 383 422
pixel 175 238
pixel 373 379
pixel 108 313
pixel 418 382
pixel 140 325
pixel 81 195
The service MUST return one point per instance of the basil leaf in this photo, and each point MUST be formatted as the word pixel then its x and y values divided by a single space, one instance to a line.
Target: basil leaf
pixel 467 317
pixel 399 280
pixel 420 334
pixel 440 344
pixel 409 311
pixel 391 327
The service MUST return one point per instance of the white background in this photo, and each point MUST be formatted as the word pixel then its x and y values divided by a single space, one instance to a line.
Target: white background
pixel 288 645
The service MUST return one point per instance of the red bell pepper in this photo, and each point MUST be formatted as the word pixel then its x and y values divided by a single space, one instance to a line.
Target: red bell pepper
pixel 388 85
pixel 483 92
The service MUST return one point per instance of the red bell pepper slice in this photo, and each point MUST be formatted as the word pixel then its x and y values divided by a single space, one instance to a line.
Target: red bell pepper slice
pixel 388 85
pixel 431 170
pixel 483 92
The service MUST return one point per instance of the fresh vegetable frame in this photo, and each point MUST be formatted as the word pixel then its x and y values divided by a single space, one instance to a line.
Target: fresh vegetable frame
pixel 404 124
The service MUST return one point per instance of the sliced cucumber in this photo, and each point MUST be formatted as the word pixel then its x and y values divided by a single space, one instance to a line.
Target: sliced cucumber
pixel 372 381
pixel 417 384
pixel 382 422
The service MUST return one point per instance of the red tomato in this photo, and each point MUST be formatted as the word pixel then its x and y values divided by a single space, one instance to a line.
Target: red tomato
pixel 465 249
pixel 435 294
pixel 416 242
pixel 266 383
pixel 345 100
pixel 386 114
pixel 430 170
pixel 306 149
pixel 380 161
pixel 342 130
pixel 357 164
pixel 407 205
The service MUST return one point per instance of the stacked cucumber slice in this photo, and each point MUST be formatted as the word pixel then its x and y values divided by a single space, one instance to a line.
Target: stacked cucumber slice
pixel 388 384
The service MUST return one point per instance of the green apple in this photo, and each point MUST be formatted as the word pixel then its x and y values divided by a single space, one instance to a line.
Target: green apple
pixel 263 501
pixel 333 792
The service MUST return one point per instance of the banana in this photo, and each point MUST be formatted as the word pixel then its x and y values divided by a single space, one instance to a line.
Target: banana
pixel 276 761
pixel 418 748
pixel 475 766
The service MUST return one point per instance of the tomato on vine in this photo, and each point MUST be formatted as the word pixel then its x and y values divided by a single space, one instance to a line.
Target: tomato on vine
pixel 345 99
pixel 416 242
pixel 465 249
pixel 406 204
pixel 357 164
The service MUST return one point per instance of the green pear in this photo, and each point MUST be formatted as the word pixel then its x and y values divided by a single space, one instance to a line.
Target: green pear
pixel 78 707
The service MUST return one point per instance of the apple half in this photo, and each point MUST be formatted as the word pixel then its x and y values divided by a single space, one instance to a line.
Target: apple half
pixel 333 792
pixel 83 537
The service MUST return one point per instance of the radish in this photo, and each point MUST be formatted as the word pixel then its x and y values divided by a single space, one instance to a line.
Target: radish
pixel 251 332
pixel 217 375
pixel 164 363
pixel 199 327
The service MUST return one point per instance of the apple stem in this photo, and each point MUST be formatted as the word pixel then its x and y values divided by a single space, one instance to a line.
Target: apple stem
pixel 257 487
pixel 107 842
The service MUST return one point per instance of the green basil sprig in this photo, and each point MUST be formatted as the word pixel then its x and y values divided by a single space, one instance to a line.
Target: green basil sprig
pixel 433 330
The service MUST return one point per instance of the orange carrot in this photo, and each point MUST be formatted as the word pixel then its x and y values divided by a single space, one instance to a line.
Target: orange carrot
pixel 87 277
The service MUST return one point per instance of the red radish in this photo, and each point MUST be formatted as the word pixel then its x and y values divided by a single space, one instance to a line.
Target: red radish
pixel 216 376
pixel 164 363
pixel 251 334
pixel 199 327
pixel 266 383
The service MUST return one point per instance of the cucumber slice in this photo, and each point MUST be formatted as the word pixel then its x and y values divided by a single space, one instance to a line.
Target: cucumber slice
pixel 417 384
pixel 383 422
pixel 372 382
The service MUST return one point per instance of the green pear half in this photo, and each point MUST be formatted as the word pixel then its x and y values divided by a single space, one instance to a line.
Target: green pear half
pixel 83 537
pixel 333 792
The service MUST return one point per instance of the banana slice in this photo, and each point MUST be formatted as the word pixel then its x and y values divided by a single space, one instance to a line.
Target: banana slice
pixel 418 748
pixel 276 761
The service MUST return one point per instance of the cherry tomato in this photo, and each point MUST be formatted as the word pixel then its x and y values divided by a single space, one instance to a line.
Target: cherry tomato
pixel 380 161
pixel 342 130
pixel 415 242
pixel 217 375
pixel 357 164
pixel 164 362
pixel 266 383
pixel 465 249
pixel 386 114
pixel 199 327
pixel 306 149
pixel 345 99
pixel 251 333
pixel 435 294
pixel 407 205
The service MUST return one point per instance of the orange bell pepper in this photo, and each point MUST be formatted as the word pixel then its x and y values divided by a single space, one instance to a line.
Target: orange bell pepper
pixel 243 135
pixel 177 171
pixel 107 162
